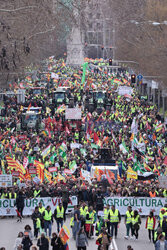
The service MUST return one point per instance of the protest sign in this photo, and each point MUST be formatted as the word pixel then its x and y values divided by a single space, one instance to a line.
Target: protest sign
pixel 162 181
pixel 5 180
pixel 124 90
pixel 142 204
pixel 73 114
pixel 7 206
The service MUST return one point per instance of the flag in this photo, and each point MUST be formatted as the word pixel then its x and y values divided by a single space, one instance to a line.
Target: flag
pixel 12 164
pixel 114 139
pixel 47 176
pixel 85 175
pixel 29 107
pixel 40 170
pixel 84 72
pixel 73 166
pixel 123 148
pixel 131 174
pixel 97 140
pixel 64 234
pixel 61 108
pixel 46 151
pixel 25 162
pixel 147 168
pixel 159 127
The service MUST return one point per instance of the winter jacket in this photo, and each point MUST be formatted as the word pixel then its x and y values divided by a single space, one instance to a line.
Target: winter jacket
pixel 27 243
pixel 81 240
pixel 43 243
pixel 57 244
pixel 157 245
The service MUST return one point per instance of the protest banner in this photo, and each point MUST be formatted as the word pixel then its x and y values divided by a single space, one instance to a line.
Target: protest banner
pixel 5 180
pixel 73 114
pixel 7 206
pixel 142 204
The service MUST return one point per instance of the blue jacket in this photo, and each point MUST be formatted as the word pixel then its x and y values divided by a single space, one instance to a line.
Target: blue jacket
pixel 157 245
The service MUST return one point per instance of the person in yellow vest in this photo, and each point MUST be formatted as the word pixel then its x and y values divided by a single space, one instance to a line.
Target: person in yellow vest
pixel 128 221
pixel 161 215
pixel 59 216
pixel 41 208
pixel 150 225
pixel 106 212
pixel 12 194
pixel 48 220
pixel 36 217
pixel 114 218
pixel 83 211
pixel 136 221
pixel 89 228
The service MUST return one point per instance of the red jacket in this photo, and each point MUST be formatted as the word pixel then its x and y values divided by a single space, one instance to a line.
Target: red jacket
pixel 154 221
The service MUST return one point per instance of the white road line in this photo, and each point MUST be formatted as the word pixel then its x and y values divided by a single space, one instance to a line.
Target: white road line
pixel 115 244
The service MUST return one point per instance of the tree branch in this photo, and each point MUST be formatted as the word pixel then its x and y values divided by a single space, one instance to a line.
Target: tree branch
pixel 22 8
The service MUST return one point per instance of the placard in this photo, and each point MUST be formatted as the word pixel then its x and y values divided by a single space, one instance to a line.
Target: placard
pixel 73 114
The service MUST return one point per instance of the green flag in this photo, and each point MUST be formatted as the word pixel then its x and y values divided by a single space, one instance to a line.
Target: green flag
pixel 84 72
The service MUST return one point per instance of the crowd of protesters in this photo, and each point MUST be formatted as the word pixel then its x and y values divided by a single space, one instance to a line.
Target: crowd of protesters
pixel 129 123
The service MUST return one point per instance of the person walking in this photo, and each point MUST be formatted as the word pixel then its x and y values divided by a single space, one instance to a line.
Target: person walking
pixel 161 243
pixel 89 228
pixel 81 240
pixel 136 221
pixel 56 242
pixel 48 220
pixel 43 242
pixel 59 216
pixel 36 217
pixel 115 218
pixel 128 222
pixel 106 212
pixel 18 240
pixel 150 225
pixel 77 222
pixel 26 242
pixel 103 241
pixel 20 204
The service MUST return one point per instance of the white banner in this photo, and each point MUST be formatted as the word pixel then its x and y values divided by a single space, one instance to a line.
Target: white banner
pixel 73 114
pixel 7 206
pixel 142 204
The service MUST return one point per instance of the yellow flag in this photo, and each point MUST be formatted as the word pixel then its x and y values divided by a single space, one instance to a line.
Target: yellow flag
pixel 131 174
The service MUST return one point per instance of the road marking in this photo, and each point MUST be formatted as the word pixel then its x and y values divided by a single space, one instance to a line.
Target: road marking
pixel 115 244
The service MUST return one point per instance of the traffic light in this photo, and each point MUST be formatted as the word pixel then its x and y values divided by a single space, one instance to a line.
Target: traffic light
pixel 133 78
pixel 110 62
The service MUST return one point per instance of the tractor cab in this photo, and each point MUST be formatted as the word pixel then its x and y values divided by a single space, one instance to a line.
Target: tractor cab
pixel 30 120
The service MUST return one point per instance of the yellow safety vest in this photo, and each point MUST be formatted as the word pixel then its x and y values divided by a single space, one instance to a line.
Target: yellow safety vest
pixel 114 216
pixel 135 220
pixel 91 217
pixel 60 213
pixel 83 211
pixel 128 217
pixel 36 193
pixel 72 222
pixel 106 212
pixel 38 223
pixel 150 223
pixel 41 209
pixel 10 196
pixel 48 216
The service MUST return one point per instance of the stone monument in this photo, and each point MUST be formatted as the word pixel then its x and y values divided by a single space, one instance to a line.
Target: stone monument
pixel 75 50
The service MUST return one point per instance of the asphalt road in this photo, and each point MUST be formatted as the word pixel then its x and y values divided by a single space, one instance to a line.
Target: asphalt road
pixel 9 229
